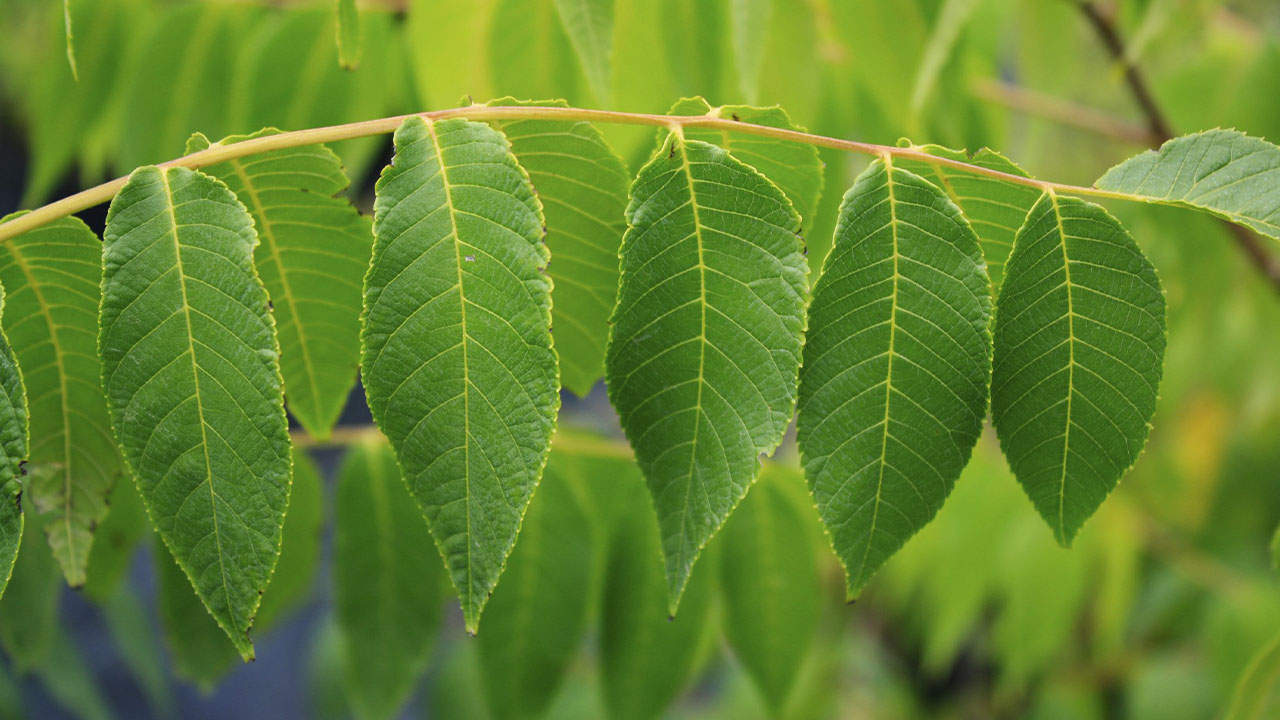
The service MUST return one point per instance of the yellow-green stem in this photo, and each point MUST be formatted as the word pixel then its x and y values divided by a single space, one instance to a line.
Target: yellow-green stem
pixel 221 153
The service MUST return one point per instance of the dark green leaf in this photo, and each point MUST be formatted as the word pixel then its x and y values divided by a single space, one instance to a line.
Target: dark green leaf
pixel 116 541
pixel 295 573
pixel 29 608
pixel 457 360
pixel 190 356
pixel 198 648
pixel 13 450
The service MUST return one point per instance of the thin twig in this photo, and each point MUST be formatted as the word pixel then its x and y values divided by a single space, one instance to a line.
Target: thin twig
pixel 1059 110
pixel 1161 131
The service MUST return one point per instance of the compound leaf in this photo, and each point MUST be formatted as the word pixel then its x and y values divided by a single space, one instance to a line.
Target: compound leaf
pixel 388 583
pixel 52 277
pixel 193 385
pixel 313 252
pixel 1079 347
pixel 582 185
pixel 13 445
pixel 705 349
pixel 457 360
pixel 894 385
pixel 1226 172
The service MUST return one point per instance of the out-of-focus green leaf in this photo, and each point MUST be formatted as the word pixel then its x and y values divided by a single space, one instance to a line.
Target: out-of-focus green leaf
pixel 749 22
pixel 771 589
pixel 705 349
pixel 387 582
pixel 457 691
pixel 648 658
pixel 71 43
pixel 51 277
pixel 582 185
pixel 295 573
pixel 133 632
pixel 529 54
pixel 1225 172
pixel 793 167
pixel 589 25
pixel 71 683
pixel 327 699
pixel 189 354
pixel 893 388
pixel 199 650
pixel 1255 695
pixel 350 38
pixel 1275 550
pixel 116 541
pixel 947 28
pixel 457 362
pixel 537 617
pixel 312 254
pixel 1079 344
pixel 694 44
pixel 439 32
pixel 29 608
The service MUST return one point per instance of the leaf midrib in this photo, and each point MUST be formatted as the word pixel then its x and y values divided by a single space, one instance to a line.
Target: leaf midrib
pixel 1071 365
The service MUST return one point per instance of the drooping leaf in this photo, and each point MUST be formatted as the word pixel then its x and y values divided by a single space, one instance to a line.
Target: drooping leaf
pixel 1079 344
pixel 995 209
pixel 538 615
pixel 439 32
pixel 116 540
pixel 749 22
pixel 29 608
pixel 295 573
pixel 705 349
pixel 388 582
pixel 1257 693
pixel 51 276
pixel 312 254
pixel 893 389
pixel 529 54
pixel 350 39
pixel 13 450
pixel 199 650
pixel 772 591
pixel 189 357
pixel 947 28
pixel 589 25
pixel 1226 172
pixel 457 359
pixel 582 185
pixel 794 167
pixel 71 42
pixel 647 658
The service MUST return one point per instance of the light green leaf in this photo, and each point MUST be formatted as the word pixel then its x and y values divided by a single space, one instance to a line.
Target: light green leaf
pixel 529 54
pixel 458 364
pixel 350 38
pixel 1255 695
pixel 705 348
pixel 29 608
pixel 116 540
pixel 749 22
pixel 52 276
pixel 439 32
pixel 589 25
pixel 582 185
pixel 71 42
pixel 995 209
pixel 538 616
pixel 1225 172
pixel 894 385
pixel 1275 550
pixel 198 648
pixel 295 573
pixel 1079 345
pixel 694 45
pixel 189 357
pixel 947 28
pixel 793 167
pixel 13 445
pixel 772 591
pixel 312 255
pixel 646 658
pixel 388 583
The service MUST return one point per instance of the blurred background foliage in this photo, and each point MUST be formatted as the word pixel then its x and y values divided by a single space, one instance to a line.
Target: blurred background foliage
pixel 1158 610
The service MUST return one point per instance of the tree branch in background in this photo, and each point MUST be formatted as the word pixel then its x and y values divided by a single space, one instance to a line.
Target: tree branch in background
pixel 1058 110
pixel 1105 27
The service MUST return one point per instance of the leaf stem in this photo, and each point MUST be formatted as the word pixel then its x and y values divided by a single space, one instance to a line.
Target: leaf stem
pixel 221 153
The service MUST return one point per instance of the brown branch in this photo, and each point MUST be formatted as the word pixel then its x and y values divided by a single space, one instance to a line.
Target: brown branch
pixel 1058 110
pixel 1161 131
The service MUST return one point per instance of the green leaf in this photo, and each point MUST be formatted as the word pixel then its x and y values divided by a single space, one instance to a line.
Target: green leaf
pixel 312 255
pixel 947 28
pixel 116 540
pixel 646 658
pixel 1225 172
pixel 538 615
pixel 68 679
pixel 51 276
pixel 13 445
pixel 295 573
pixel 439 32
pixel 137 640
pixel 1255 693
pixel 71 42
pixel 694 44
pixel 589 25
pixel 995 209
pixel 189 358
pixel 1275 550
pixel 529 54
pixel 458 364
pixel 1079 345
pixel 705 349
pixel 894 385
pixel 388 584
pixel 29 608
pixel 772 591
pixel 350 39
pixel 582 185
pixel 198 648
pixel 793 167
pixel 749 22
